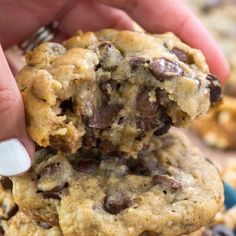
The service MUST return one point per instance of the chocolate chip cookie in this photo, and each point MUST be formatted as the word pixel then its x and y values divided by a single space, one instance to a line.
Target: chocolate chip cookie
pixel 14 222
pixel 169 188
pixel 113 89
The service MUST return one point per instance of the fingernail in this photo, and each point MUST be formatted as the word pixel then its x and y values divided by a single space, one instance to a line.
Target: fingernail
pixel 14 159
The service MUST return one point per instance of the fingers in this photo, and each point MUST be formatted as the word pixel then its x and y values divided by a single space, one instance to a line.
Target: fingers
pixel 171 15
pixel 14 140
pixel 19 19
pixel 91 16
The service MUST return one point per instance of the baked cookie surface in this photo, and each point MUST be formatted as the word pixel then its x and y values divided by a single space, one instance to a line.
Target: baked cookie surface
pixel 166 189
pixel 14 222
pixel 113 90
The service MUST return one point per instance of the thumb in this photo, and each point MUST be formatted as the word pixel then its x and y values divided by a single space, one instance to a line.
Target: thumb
pixel 16 147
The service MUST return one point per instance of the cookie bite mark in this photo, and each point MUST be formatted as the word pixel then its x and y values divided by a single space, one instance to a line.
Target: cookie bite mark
pixel 113 87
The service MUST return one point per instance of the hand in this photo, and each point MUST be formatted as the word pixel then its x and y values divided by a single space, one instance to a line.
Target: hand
pixel 18 20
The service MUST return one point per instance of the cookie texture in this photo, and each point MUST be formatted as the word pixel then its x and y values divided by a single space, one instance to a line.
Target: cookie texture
pixel 14 222
pixel 166 189
pixel 113 90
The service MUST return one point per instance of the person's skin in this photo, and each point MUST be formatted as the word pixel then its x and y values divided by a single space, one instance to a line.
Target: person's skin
pixel 19 19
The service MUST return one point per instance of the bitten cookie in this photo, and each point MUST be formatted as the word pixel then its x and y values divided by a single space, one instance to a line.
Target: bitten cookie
pixel 14 222
pixel 170 188
pixel 113 90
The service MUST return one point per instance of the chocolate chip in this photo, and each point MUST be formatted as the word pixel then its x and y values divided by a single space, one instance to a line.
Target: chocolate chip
pixel 108 56
pixel 165 68
pixel 115 205
pixel 167 182
pixel 108 147
pixel 53 193
pixel 142 166
pixel 88 166
pixel 6 183
pixel 146 124
pixel 2 232
pixel 9 212
pixel 182 56
pixel 165 125
pixel 44 225
pixel 13 211
pixel 104 116
pixel 144 106
pixel 89 139
pixel 66 105
pixel 215 88
pixel 50 169
pixel 222 230
pixel 136 61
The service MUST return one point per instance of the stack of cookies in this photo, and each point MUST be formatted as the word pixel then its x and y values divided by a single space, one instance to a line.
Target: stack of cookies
pixel 100 107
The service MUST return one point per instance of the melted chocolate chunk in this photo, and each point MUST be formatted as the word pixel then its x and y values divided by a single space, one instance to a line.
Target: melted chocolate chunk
pixel 2 232
pixel 215 88
pixel 107 53
pixel 108 147
pixel 6 183
pixel 165 68
pixel 44 225
pixel 54 193
pixel 136 61
pixel 66 105
pixel 165 124
pixel 222 230
pixel 115 205
pixel 151 115
pixel 104 116
pixel 89 139
pixel 142 166
pixel 11 212
pixel 182 56
pixel 167 182
pixel 88 166
pixel 144 106
pixel 50 169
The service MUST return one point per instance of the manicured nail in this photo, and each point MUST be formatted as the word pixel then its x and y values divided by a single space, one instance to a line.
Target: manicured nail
pixel 14 159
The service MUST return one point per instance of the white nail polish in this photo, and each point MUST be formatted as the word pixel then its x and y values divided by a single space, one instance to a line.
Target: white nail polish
pixel 14 159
